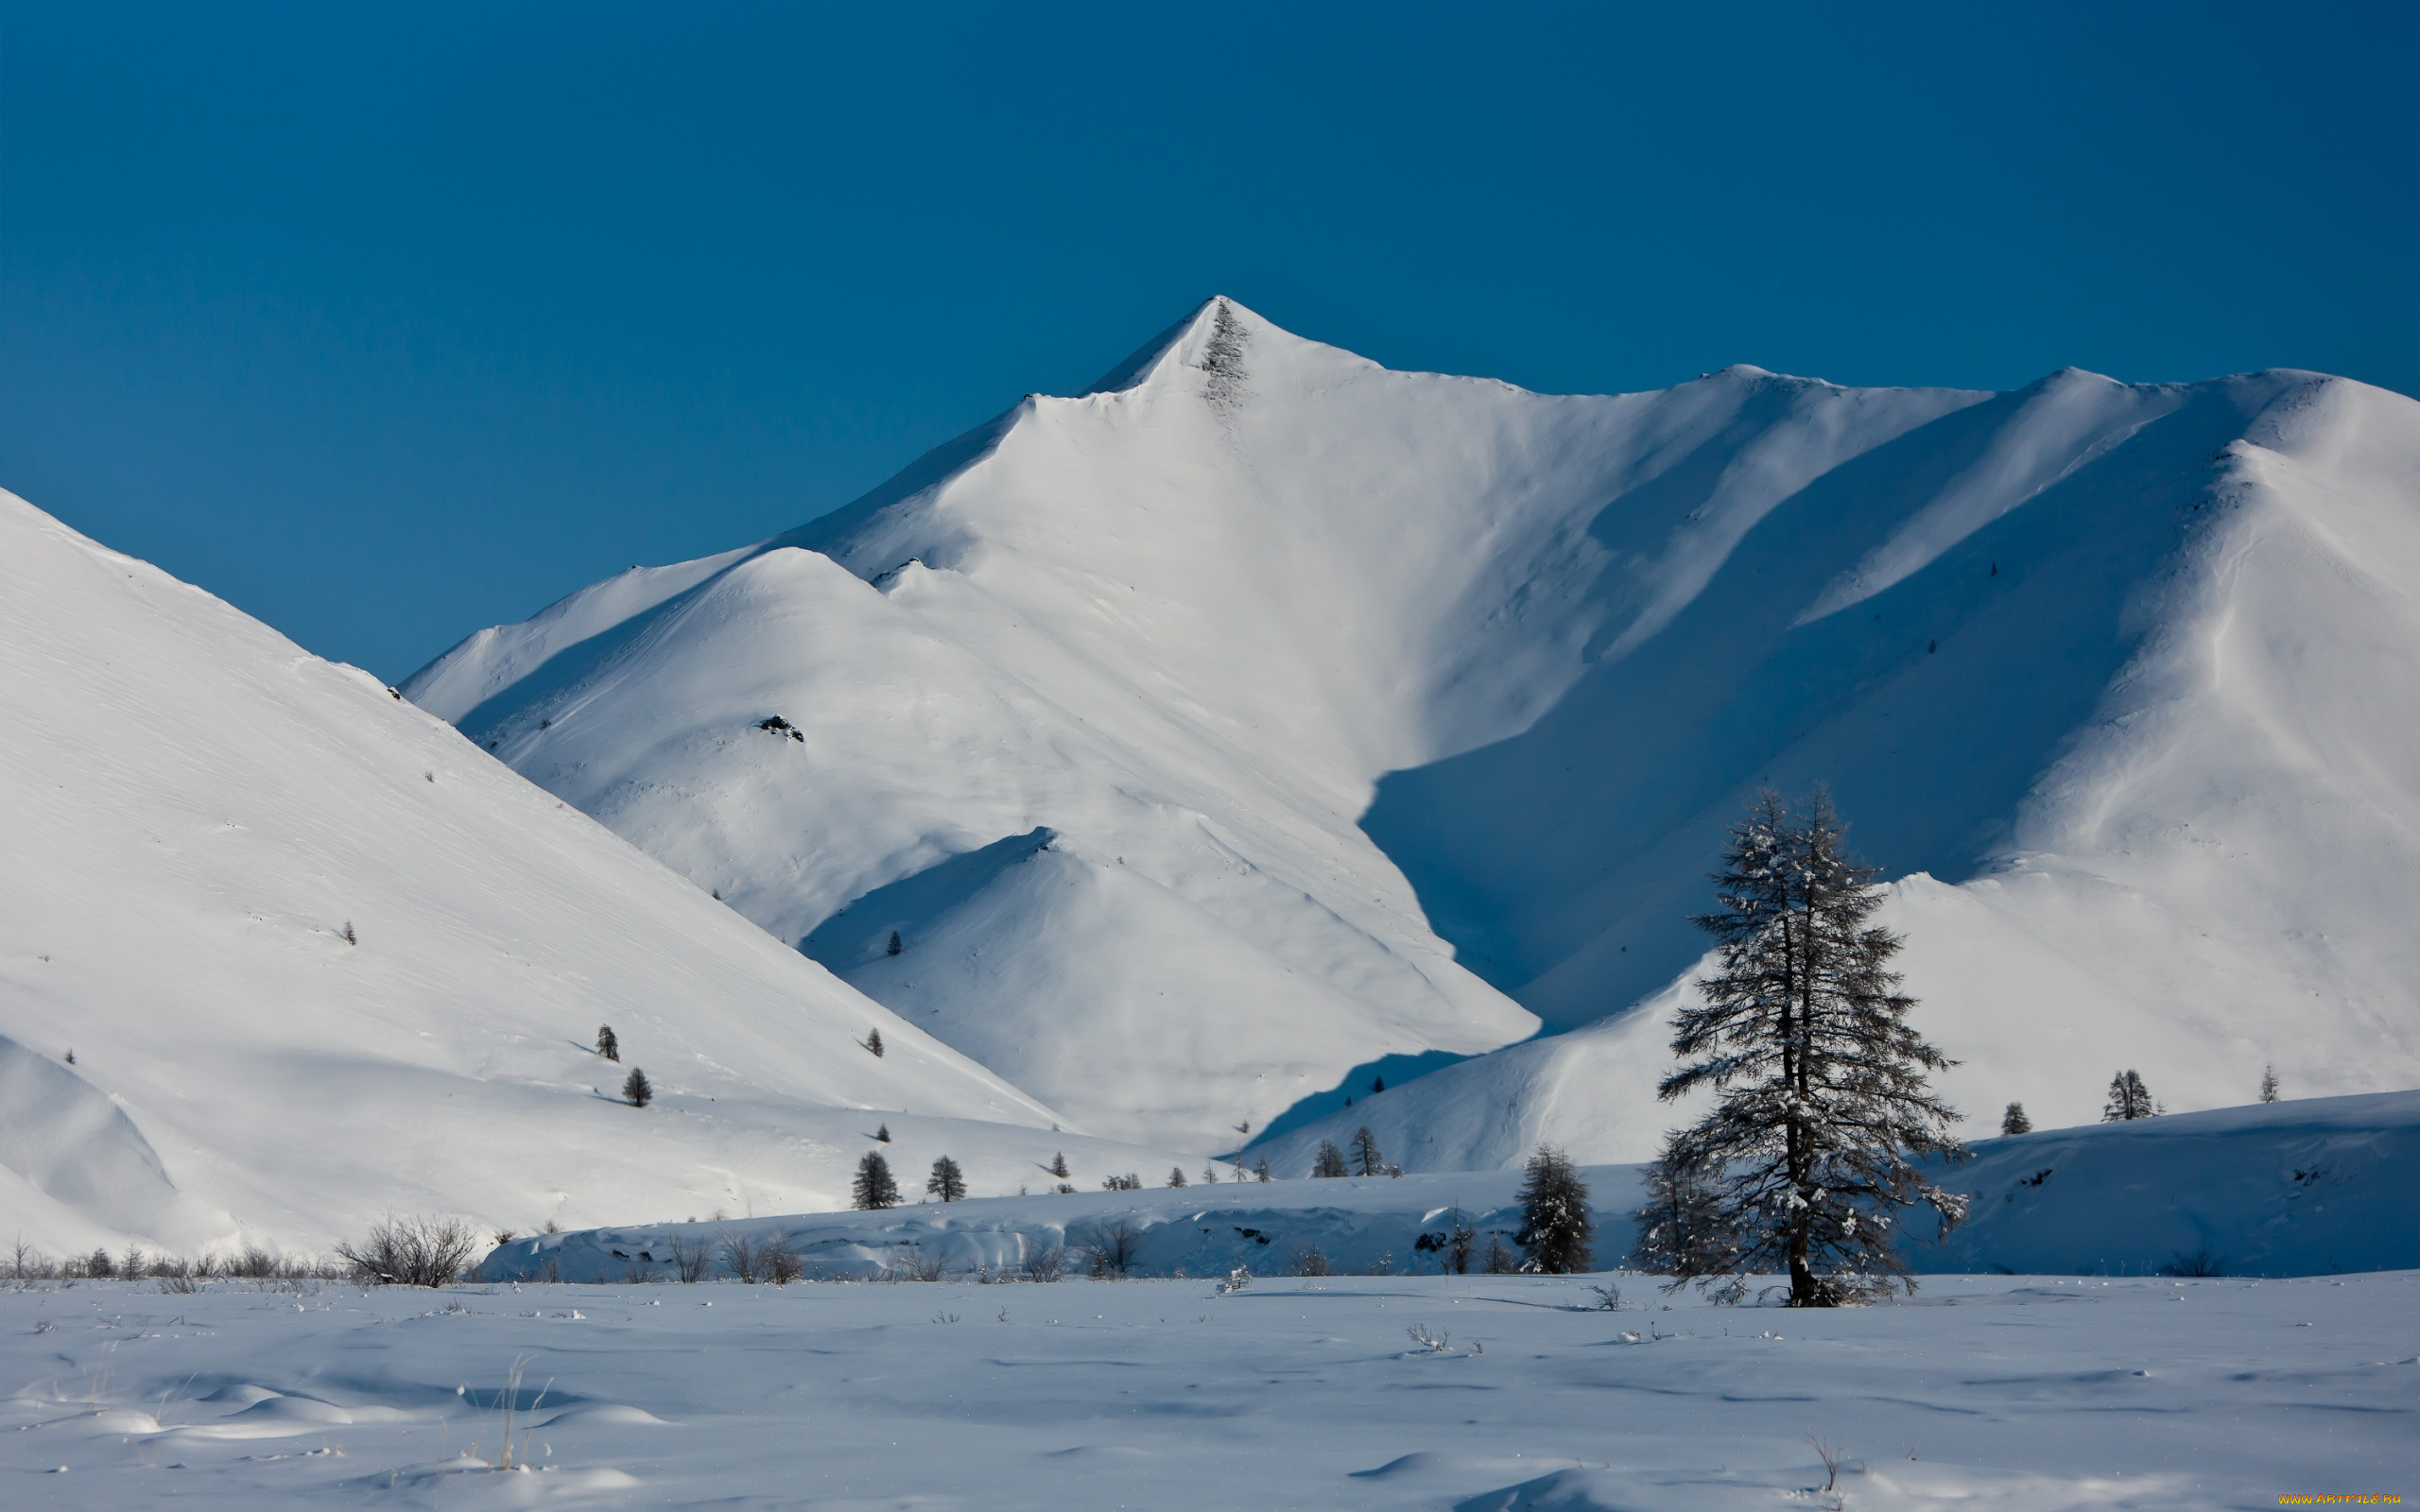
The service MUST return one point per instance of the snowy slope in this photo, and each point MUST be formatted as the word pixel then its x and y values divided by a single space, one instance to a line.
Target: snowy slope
pixel 1214 737
pixel 195 810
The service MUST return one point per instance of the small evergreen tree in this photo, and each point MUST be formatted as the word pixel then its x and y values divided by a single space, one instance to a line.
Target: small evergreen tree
pixel 349 936
pixel 608 1046
pixel 1176 1176
pixel 2014 1121
pixel 882 1133
pixel 1377 1085
pixel 1365 1152
pixel 1822 1097
pixel 2268 1082
pixel 874 1188
pixel 1059 1165
pixel 1329 1161
pixel 1260 1170
pixel 947 1181
pixel 636 1089
pixel 894 947
pixel 2129 1099
pixel 873 1043
pixel 1555 1226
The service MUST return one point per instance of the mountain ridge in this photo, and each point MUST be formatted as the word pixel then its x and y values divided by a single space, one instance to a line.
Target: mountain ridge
pixel 1385 679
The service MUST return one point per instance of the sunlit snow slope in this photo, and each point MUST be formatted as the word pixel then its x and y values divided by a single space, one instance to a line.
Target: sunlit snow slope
pixel 1265 713
pixel 193 811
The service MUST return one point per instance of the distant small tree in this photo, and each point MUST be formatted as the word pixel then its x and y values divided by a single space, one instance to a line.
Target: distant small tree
pixel 874 1188
pixel 882 1133
pixel 1176 1176
pixel 1500 1261
pixel 1260 1169
pixel 71 1056
pixel 2268 1082
pixel 1555 1226
pixel 1329 1161
pixel 636 1089
pixel 895 946
pixel 1365 1152
pixel 1377 1085
pixel 2014 1121
pixel 347 934
pixel 1059 1165
pixel 2129 1099
pixel 873 1043
pixel 1210 1175
pixel 607 1045
pixel 947 1181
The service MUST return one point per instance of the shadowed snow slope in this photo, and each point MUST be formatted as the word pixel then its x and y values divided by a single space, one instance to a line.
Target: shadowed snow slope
pixel 196 810
pixel 1264 714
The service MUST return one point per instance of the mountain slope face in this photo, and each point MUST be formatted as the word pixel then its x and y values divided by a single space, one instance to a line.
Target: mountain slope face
pixel 1264 714
pixel 197 811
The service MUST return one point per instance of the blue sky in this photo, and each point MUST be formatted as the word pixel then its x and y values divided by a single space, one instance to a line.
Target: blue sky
pixel 391 323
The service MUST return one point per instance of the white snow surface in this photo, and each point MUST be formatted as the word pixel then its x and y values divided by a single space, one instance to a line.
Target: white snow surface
pixel 196 809
pixel 2315 1187
pixel 2010 1394
pixel 1213 737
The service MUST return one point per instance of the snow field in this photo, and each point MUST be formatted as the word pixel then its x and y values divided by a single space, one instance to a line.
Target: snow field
pixel 2025 1394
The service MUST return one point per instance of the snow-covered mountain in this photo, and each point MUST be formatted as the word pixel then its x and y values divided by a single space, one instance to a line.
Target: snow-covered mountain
pixel 196 811
pixel 1265 720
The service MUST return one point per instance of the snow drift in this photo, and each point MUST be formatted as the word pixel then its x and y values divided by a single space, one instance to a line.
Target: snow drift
pixel 316 958
pixel 1265 718
pixel 2309 1188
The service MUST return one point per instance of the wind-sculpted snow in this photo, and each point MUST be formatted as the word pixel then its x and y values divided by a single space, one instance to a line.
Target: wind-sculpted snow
pixel 1360 704
pixel 315 958
pixel 1401 1394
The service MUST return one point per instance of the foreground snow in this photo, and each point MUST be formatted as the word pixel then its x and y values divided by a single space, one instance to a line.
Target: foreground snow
pixel 1992 1392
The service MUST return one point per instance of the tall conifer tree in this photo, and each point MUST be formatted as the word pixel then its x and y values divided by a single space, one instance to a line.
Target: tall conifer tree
pixel 1820 1094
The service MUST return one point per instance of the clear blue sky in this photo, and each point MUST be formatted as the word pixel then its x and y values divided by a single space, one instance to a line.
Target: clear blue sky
pixel 389 322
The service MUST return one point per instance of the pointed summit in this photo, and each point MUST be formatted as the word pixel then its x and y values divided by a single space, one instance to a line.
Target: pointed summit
pixel 1211 337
